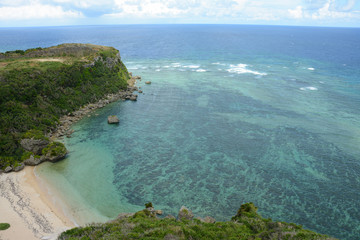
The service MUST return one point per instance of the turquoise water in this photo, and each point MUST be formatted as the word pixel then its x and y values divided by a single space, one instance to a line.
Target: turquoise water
pixel 234 114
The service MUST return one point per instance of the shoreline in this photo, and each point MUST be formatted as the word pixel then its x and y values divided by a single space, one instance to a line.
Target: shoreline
pixel 32 208
pixel 26 205
pixel 65 122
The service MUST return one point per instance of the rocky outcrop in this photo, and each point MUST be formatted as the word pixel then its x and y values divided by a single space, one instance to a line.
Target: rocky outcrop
pixel 51 158
pixel 19 167
pixel 148 82
pixel 113 119
pixel 54 152
pixel 33 161
pixel 34 145
pixel 185 213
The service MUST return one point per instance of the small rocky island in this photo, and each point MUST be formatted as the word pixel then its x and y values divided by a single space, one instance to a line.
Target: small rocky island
pixel 45 90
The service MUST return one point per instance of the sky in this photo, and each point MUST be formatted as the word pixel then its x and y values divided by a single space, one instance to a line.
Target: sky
pixel 327 13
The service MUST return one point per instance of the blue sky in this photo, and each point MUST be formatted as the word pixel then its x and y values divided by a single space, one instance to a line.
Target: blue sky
pixel 344 13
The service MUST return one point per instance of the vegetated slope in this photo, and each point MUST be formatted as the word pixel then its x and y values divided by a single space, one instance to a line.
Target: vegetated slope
pixel 37 86
pixel 246 224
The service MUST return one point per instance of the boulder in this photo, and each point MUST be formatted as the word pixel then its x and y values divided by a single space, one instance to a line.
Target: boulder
pixel 158 212
pixel 148 82
pixel 113 119
pixel 34 145
pixel 137 77
pixel 54 158
pixel 133 97
pixel 140 91
pixel 19 168
pixel 8 169
pixel 208 219
pixel 185 213
pixel 33 161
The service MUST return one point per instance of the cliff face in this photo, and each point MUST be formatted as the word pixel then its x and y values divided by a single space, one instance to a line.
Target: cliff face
pixel 38 86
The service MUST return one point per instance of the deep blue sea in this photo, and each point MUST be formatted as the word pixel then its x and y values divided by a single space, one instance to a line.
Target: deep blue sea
pixel 234 114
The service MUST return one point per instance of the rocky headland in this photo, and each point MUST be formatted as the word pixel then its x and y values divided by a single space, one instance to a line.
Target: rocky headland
pixel 45 90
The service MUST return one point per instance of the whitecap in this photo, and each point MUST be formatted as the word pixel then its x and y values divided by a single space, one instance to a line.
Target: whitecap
pixel 176 64
pixel 217 63
pixel 308 89
pixel 201 70
pixel 166 66
pixel 311 69
pixel 242 68
pixel 132 68
pixel 157 70
pixel 192 66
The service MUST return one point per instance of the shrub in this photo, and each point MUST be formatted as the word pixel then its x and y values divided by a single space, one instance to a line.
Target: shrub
pixel 4 226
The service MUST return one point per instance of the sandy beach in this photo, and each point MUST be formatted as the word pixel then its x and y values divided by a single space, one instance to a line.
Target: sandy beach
pixel 26 205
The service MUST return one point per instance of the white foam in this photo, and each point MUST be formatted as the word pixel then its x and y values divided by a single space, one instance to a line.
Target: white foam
pixel 217 63
pixel 242 68
pixel 311 69
pixel 192 66
pixel 201 70
pixel 166 66
pixel 157 70
pixel 176 64
pixel 308 89
pixel 132 68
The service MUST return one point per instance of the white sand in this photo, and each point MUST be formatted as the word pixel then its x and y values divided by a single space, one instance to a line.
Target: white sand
pixel 26 206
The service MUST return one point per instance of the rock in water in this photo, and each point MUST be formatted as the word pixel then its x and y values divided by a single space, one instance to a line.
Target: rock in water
pixel 185 213
pixel 113 119
pixel 148 82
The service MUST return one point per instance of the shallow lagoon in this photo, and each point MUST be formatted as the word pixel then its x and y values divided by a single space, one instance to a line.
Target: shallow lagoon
pixel 234 114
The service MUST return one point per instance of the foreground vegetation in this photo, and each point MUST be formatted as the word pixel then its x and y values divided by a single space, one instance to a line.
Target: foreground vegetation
pixel 4 226
pixel 246 224
pixel 37 86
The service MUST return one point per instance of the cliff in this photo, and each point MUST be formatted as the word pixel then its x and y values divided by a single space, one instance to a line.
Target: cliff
pixel 246 224
pixel 39 86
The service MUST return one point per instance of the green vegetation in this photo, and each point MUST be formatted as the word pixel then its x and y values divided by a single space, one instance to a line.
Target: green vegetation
pixel 247 224
pixel 4 226
pixel 54 149
pixel 37 86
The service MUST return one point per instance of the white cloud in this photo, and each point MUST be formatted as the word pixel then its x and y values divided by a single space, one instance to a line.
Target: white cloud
pixel 36 11
pixel 326 13
pixel 186 11
pixel 349 5
pixel 329 10
pixel 296 13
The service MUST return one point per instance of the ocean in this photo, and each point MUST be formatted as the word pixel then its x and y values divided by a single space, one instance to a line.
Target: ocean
pixel 234 114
